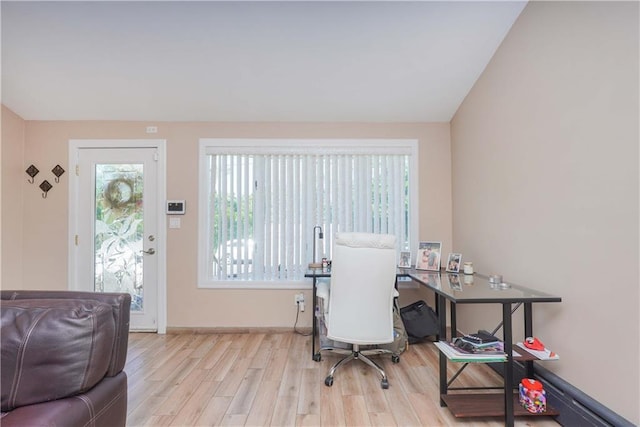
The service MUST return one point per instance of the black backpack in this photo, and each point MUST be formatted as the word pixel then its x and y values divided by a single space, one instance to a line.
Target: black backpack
pixel 420 321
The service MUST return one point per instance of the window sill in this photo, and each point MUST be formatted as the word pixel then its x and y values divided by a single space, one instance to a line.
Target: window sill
pixel 255 284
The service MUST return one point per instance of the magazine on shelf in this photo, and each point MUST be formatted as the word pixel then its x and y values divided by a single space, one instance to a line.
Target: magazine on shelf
pixel 458 355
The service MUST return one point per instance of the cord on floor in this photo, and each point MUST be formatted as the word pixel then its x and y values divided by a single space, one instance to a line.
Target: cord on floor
pixel 296 323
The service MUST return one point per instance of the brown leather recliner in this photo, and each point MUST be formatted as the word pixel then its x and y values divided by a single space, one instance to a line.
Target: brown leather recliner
pixel 63 355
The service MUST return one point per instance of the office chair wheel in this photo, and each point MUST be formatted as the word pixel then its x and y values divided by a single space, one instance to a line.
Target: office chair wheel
pixel 329 381
pixel 384 383
pixel 395 358
pixel 317 357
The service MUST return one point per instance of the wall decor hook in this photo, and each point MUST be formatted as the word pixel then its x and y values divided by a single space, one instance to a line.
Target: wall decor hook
pixel 45 186
pixel 32 171
pixel 57 171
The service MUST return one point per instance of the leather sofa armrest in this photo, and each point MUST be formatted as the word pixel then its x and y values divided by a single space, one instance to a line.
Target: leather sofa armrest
pixel 119 302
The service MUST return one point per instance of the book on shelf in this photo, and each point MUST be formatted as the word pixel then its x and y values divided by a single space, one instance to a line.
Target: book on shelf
pixel 477 344
pixel 481 338
pixel 465 346
pixel 457 354
pixel 544 354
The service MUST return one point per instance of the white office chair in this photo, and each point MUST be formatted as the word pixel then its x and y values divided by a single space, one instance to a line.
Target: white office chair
pixel 361 294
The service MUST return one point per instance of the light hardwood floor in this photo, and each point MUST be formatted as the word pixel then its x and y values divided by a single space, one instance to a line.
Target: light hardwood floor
pixel 259 379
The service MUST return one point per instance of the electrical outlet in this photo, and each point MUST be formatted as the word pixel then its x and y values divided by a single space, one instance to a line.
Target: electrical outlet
pixel 299 299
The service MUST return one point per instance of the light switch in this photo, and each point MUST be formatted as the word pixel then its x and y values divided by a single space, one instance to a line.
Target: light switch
pixel 174 222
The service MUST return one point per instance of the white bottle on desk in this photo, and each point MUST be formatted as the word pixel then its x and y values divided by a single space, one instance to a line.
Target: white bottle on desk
pixel 468 268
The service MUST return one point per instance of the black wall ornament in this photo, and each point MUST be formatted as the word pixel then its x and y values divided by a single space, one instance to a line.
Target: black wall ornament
pixel 57 171
pixel 45 186
pixel 32 171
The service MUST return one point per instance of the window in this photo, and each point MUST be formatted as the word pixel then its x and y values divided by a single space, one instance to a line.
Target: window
pixel 261 199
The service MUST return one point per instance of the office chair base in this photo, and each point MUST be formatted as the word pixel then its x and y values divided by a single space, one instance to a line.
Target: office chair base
pixel 356 354
pixel 384 383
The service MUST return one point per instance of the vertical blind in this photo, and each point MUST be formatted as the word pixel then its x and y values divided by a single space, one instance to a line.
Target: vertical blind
pixel 263 208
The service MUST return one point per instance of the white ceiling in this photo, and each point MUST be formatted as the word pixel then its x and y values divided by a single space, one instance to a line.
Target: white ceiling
pixel 247 61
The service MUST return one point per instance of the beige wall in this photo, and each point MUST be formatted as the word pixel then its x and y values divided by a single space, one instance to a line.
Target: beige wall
pixel 46 229
pixel 545 186
pixel 13 184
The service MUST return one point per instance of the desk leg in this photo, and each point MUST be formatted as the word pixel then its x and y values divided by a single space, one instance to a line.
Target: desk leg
pixel 528 332
pixel 442 317
pixel 508 368
pixel 437 309
pixel 454 322
pixel 314 328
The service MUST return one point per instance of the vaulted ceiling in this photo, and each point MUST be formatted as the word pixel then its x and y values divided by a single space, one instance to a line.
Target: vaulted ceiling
pixel 366 61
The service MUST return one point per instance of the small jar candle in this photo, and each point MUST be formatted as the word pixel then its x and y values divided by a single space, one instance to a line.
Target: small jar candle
pixel 468 268
pixel 532 396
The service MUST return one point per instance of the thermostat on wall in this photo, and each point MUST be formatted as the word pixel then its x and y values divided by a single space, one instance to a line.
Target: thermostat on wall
pixel 175 207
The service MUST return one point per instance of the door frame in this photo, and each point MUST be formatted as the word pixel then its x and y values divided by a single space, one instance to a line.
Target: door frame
pixel 160 145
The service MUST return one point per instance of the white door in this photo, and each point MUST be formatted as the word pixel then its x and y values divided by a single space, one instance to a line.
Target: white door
pixel 116 239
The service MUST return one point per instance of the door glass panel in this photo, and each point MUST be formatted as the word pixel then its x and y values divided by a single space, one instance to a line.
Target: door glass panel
pixel 119 231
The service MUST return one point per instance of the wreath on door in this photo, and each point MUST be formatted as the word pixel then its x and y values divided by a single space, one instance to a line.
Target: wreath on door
pixel 119 192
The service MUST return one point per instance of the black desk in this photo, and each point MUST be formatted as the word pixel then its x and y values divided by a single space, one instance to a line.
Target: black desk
pixel 315 274
pixel 452 288
pixel 481 291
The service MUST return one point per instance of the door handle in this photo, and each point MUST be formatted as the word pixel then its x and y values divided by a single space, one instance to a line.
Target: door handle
pixel 151 251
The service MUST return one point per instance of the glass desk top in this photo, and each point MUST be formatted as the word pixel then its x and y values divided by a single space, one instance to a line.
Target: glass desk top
pixel 465 288
pixel 476 288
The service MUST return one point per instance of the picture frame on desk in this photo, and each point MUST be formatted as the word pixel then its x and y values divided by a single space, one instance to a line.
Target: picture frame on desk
pixel 405 259
pixel 428 256
pixel 453 263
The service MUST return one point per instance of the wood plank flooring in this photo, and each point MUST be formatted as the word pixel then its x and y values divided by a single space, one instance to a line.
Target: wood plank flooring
pixel 269 379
